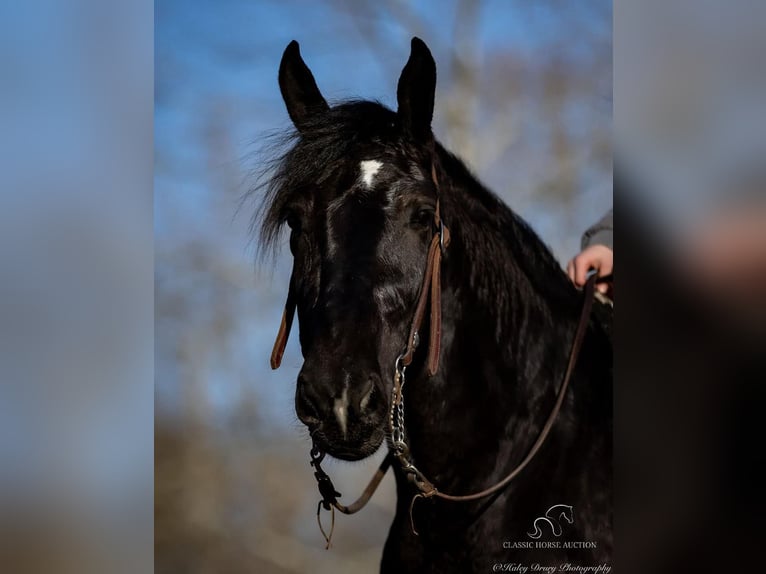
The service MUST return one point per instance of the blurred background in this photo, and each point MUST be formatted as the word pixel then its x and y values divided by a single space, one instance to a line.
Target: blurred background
pixel 524 96
pixel 76 286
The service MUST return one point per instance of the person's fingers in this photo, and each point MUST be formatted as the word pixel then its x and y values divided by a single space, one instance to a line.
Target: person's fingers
pixel 596 257
pixel 603 288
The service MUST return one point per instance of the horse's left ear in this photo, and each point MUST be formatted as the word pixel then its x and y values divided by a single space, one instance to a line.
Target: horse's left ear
pixel 415 93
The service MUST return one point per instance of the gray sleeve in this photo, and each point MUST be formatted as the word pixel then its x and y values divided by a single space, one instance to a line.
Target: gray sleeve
pixel 601 233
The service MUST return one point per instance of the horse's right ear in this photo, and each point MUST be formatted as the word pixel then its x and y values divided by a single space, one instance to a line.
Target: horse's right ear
pixel 299 90
pixel 416 89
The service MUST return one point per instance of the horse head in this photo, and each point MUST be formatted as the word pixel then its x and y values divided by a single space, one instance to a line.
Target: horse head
pixel 357 194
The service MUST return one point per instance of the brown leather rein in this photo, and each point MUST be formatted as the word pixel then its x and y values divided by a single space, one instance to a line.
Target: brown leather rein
pixel 398 448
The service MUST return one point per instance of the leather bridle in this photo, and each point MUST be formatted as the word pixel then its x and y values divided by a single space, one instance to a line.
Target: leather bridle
pixel 398 447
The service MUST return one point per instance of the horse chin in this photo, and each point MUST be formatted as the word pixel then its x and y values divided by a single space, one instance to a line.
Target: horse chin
pixel 350 450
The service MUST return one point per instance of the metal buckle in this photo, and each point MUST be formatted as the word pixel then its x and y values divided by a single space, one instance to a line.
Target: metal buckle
pixel 400 368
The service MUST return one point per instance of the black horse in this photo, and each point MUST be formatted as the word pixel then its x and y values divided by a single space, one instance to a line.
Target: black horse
pixel 358 190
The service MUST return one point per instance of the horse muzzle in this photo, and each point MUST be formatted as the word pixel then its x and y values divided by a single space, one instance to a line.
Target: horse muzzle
pixel 346 417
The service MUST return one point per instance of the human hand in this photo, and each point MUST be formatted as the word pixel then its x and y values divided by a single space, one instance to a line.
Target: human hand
pixel 598 257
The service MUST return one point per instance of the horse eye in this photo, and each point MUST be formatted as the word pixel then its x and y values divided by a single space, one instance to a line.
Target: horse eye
pixel 422 217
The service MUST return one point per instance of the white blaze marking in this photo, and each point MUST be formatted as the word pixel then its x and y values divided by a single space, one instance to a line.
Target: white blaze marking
pixel 341 411
pixel 370 168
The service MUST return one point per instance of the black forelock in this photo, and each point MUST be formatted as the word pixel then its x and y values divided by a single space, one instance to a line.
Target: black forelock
pixel 318 152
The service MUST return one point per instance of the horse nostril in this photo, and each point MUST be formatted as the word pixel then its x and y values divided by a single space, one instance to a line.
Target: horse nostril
pixel 305 407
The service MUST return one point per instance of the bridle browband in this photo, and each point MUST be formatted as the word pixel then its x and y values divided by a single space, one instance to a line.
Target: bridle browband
pixel 398 448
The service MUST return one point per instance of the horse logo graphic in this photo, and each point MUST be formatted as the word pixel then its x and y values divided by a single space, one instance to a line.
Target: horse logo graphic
pixel 552 516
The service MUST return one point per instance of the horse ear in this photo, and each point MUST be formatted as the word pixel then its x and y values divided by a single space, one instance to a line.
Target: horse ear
pixel 415 93
pixel 299 89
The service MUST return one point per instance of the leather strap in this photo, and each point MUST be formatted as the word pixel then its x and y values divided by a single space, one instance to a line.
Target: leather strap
pixel 364 498
pixel 284 327
pixel 330 495
pixel 431 287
